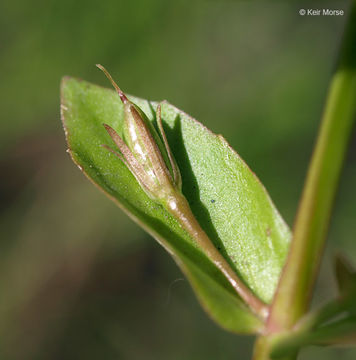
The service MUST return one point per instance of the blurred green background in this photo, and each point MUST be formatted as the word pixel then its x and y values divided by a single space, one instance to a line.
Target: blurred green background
pixel 78 279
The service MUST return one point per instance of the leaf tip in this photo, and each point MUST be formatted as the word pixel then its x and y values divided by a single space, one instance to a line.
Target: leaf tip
pixel 345 272
pixel 64 81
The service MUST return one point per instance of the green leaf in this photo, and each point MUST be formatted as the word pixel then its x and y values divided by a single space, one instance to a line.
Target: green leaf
pixel 340 332
pixel 228 200
pixel 345 275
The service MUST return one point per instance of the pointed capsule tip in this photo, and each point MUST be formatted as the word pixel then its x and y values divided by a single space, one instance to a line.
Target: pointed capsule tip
pixel 109 129
pixel 113 134
pixel 123 97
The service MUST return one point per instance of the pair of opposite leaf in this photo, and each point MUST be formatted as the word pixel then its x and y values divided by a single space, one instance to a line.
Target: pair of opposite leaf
pixel 148 157
pixel 334 323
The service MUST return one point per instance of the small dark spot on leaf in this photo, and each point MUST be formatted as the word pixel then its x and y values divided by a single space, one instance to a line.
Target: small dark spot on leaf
pixel 268 231
pixel 212 201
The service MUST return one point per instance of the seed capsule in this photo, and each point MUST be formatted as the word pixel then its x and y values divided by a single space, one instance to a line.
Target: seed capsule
pixel 146 155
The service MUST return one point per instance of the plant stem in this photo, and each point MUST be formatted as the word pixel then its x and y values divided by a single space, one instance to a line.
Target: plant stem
pixel 297 280
pixel 263 348
pixel 180 209
pixel 294 290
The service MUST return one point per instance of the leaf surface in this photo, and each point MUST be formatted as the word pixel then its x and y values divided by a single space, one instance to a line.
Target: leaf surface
pixel 228 200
